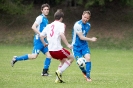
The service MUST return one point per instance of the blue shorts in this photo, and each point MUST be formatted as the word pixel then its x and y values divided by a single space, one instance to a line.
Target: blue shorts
pixel 80 51
pixel 38 48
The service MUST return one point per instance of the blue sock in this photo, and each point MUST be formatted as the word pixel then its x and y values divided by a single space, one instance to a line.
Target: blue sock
pixel 88 69
pixel 47 63
pixel 20 58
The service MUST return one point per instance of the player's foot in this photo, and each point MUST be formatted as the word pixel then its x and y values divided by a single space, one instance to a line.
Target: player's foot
pixel 88 79
pixel 45 72
pixel 13 61
pixel 58 74
pixel 57 80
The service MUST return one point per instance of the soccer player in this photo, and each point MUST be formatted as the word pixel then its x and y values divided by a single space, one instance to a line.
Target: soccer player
pixel 80 42
pixel 38 26
pixel 55 33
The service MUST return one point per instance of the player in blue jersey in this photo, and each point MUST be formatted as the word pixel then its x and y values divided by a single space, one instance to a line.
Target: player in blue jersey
pixel 38 26
pixel 80 42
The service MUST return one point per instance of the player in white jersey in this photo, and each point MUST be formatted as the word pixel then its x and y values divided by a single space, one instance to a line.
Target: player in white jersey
pixel 55 33
pixel 80 42
pixel 38 26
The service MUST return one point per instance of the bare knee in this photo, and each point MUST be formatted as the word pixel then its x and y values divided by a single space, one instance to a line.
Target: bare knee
pixel 71 58
pixel 48 55
pixel 87 57
pixel 32 56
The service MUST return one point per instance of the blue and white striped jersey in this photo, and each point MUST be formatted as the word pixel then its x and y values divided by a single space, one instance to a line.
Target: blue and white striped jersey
pixel 42 21
pixel 79 26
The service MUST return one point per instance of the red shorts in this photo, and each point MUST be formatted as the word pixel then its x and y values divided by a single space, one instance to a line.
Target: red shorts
pixel 59 55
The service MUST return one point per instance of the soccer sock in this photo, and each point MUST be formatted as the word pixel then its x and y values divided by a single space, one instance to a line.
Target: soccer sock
pixel 59 66
pixel 47 63
pixel 64 66
pixel 88 69
pixel 20 58
pixel 83 69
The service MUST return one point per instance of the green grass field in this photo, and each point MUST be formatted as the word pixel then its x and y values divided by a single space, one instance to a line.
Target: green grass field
pixel 110 69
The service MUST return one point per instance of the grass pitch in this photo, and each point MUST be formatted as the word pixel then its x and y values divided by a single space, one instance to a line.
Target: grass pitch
pixel 110 69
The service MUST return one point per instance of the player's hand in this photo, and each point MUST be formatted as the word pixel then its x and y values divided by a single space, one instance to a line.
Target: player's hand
pixel 46 44
pixel 93 39
pixel 69 46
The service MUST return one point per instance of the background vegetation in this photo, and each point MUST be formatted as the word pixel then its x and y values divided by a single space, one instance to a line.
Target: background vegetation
pixel 111 20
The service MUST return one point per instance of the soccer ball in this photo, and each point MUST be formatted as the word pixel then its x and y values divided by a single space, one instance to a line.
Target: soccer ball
pixel 81 62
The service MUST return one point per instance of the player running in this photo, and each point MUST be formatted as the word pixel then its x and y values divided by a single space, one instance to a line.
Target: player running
pixel 38 26
pixel 55 33
pixel 80 42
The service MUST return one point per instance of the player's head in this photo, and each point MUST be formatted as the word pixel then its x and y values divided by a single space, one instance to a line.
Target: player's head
pixel 45 9
pixel 59 15
pixel 86 16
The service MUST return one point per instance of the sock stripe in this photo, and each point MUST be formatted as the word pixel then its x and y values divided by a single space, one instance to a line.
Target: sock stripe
pixel 67 63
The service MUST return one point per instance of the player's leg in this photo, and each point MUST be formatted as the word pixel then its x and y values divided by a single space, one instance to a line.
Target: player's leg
pixel 86 54
pixel 69 59
pixel 47 62
pixel 67 62
pixel 77 54
pixel 88 67
pixel 22 58
pixel 61 55
pixel 59 66
pixel 34 55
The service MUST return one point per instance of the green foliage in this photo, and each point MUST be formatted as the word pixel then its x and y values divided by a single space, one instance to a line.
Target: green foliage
pixel 58 1
pixel 87 3
pixel 129 2
pixel 14 7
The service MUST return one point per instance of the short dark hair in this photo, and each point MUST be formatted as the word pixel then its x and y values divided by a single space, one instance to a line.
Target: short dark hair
pixel 58 14
pixel 45 5
pixel 87 11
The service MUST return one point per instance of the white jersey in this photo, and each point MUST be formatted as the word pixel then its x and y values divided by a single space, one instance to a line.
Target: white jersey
pixel 52 31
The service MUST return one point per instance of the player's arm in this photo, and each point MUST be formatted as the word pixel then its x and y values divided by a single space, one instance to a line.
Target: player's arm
pixel 80 34
pixel 42 36
pixel 63 37
pixel 34 27
pixel 78 30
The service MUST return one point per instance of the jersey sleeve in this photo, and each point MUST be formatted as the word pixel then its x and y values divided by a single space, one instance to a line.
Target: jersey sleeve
pixel 38 20
pixel 77 28
pixel 62 28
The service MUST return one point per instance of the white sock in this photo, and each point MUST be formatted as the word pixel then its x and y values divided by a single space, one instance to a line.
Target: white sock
pixel 64 66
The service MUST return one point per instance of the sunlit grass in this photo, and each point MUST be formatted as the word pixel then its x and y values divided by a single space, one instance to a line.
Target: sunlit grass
pixel 110 69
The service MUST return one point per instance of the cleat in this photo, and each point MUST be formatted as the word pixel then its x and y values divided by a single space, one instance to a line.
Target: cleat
pixel 45 72
pixel 88 79
pixel 57 80
pixel 58 74
pixel 13 61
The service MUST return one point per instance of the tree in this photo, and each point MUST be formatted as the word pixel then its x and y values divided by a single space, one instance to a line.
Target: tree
pixel 88 3
pixel 14 7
